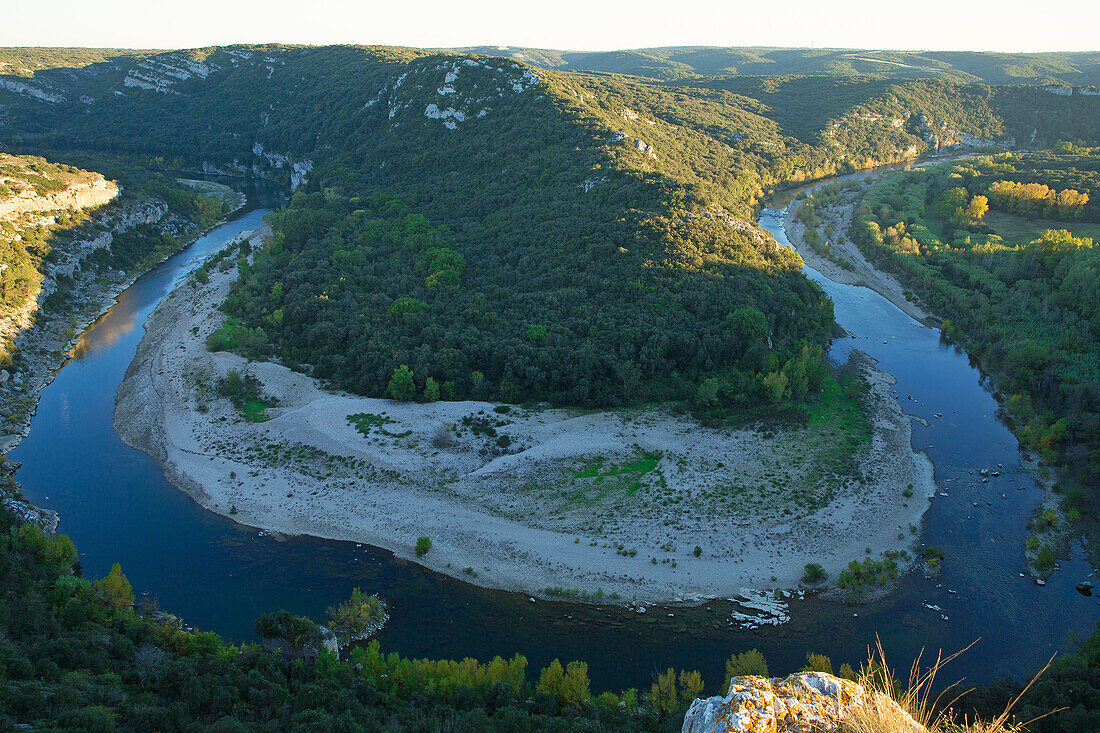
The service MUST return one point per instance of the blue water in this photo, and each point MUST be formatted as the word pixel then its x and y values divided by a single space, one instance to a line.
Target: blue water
pixel 117 506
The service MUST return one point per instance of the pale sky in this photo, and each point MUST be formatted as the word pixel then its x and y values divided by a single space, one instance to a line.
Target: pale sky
pixel 596 25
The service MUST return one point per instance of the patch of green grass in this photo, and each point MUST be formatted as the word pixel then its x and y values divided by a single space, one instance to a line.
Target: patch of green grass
pixel 247 395
pixel 254 411
pixel 251 343
pixel 1021 230
pixel 591 468
pixel 626 475
pixel 364 421
pixel 839 424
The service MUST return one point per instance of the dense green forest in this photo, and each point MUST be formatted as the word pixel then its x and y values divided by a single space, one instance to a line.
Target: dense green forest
pixel 515 233
pixel 1004 249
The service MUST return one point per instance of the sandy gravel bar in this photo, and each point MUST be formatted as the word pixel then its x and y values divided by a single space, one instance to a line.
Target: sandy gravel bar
pixel 516 498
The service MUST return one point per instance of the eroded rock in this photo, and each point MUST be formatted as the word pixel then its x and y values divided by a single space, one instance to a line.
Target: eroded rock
pixel 807 702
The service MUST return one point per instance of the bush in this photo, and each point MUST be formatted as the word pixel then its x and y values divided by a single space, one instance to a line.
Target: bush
pixel 423 544
pixel 357 615
pixel 814 573
pixel 297 630
pixel 1045 559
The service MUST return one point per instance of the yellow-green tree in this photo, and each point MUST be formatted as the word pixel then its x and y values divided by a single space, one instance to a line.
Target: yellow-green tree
pixel 747 663
pixel 569 685
pixel 818 663
pixel 115 589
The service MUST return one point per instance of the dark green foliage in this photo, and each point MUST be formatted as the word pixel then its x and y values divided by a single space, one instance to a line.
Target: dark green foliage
pixel 247 395
pixel 612 330
pixel 70 659
pixel 423 544
pixel 296 630
pixel 814 573
pixel 870 572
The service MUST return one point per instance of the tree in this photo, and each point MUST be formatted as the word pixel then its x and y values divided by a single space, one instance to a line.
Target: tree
pixel 296 630
pixel 115 589
pixel 536 333
pixel 707 394
pixel 818 663
pixel 744 664
pixel 570 686
pixel 775 385
pixel 575 685
pixel 691 685
pixel 952 200
pixel 431 390
pixel 423 544
pixel 402 387
pixel 663 695
pixel 750 325
pixel 974 212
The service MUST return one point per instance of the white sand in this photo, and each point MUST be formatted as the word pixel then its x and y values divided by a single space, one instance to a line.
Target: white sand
pixel 515 516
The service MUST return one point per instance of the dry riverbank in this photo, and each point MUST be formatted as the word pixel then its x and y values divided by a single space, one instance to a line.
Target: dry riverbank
pixel 838 217
pixel 514 498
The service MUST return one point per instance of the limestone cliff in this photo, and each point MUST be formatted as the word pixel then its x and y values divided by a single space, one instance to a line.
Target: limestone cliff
pixel 86 194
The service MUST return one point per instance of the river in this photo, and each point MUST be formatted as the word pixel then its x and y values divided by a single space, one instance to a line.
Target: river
pixel 117 506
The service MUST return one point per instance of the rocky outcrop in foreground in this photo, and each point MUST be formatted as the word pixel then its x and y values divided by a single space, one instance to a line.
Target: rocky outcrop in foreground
pixel 808 702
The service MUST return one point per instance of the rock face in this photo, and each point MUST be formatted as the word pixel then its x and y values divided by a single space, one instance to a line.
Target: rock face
pixel 83 195
pixel 808 702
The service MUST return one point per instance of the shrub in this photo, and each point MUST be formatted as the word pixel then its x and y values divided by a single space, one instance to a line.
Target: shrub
pixel 814 573
pixel 358 614
pixel 1045 559
pixel 297 630
pixel 423 544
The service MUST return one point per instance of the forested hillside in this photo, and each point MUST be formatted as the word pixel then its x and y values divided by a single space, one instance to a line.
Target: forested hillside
pixel 515 233
pixel 684 62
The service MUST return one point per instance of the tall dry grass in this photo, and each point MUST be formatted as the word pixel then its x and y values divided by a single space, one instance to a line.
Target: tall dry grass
pixel 914 696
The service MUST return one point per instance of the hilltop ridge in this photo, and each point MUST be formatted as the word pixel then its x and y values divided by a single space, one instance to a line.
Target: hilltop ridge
pixel 520 233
